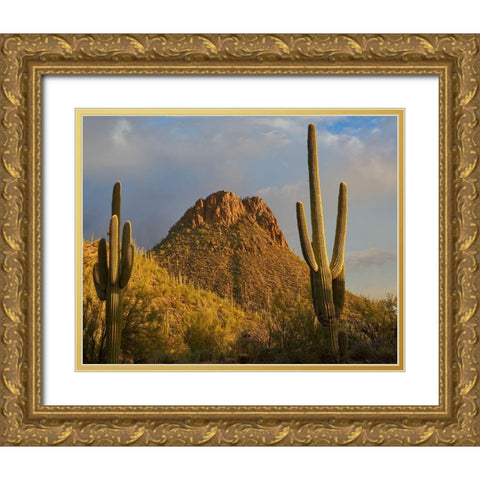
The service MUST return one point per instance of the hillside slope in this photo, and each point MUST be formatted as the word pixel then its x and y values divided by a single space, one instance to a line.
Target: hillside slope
pixel 166 320
pixel 224 287
pixel 236 249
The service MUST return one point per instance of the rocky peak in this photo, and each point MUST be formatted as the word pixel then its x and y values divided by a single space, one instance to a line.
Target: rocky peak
pixel 225 208
pixel 262 214
pixel 219 208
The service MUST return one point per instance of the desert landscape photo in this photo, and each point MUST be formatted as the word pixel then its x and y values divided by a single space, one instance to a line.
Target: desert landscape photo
pixel 240 239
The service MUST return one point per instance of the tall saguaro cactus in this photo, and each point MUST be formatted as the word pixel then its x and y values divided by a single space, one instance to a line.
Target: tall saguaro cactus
pixel 111 275
pixel 327 279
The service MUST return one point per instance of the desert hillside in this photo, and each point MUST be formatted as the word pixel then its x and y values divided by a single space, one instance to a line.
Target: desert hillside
pixel 224 287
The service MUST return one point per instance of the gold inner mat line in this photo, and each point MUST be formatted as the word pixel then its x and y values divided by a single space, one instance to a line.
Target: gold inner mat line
pixel 82 112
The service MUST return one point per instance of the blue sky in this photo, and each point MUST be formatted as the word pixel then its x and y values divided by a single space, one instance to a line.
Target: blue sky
pixel 165 163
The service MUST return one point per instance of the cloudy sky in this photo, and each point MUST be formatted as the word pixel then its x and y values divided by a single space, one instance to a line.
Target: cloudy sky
pixel 165 163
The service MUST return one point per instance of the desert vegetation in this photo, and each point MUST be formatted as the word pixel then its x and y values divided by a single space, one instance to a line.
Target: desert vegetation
pixel 224 287
pixel 167 318
pixel 111 274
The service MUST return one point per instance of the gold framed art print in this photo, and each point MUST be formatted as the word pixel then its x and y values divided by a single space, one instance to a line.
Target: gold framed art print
pixel 220 342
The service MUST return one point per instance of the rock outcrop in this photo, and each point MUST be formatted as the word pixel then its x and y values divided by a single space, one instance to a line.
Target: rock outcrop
pixel 225 208
pixel 235 248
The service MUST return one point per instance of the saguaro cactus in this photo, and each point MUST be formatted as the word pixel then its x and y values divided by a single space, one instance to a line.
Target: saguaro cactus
pixel 327 280
pixel 111 277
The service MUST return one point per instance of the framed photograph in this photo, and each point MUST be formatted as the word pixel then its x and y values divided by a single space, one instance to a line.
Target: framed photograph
pixel 217 283
pixel 239 240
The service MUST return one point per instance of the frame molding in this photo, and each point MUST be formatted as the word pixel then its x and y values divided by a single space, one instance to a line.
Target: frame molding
pixel 25 59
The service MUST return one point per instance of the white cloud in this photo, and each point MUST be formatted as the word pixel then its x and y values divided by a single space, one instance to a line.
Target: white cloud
pixel 341 141
pixel 370 258
pixel 276 137
pixel 278 123
pixel 292 192
pixel 367 164
pixel 121 131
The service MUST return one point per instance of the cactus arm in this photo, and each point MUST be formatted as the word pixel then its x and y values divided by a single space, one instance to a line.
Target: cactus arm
pixel 100 270
pixel 337 262
pixel 338 289
pixel 127 254
pixel 127 265
pixel 102 261
pixel 100 288
pixel 114 250
pixel 307 249
pixel 126 237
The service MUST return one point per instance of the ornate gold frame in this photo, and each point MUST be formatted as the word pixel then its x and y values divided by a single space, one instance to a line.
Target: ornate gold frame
pixel 25 59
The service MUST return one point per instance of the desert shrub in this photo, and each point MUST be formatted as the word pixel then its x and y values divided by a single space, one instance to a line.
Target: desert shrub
pixel 210 334
pixel 373 328
pixel 93 340
pixel 170 319
pixel 202 334
pixel 293 333
pixel 360 350
pixel 295 336
pixel 166 318
pixel 143 338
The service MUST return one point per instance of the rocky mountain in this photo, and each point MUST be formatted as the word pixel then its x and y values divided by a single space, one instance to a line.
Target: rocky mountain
pixel 225 208
pixel 224 287
pixel 235 248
